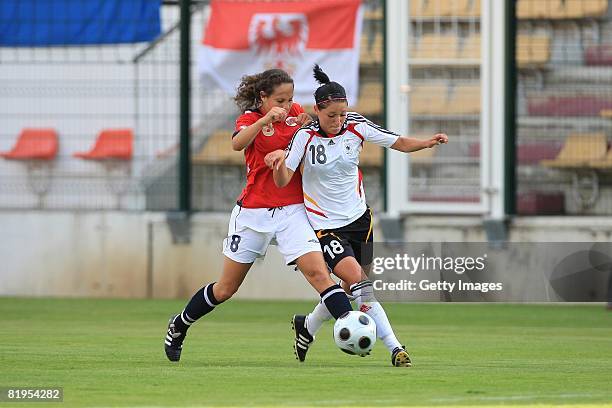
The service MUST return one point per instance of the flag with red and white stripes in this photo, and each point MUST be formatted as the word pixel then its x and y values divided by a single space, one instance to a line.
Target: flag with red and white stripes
pixel 246 37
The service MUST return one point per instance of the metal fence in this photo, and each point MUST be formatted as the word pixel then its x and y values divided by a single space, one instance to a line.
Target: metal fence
pixel 444 76
pixel 78 92
pixel 564 98
pixel 564 111
pixel 85 99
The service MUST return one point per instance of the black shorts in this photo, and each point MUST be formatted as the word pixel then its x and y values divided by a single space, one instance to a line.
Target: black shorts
pixel 354 239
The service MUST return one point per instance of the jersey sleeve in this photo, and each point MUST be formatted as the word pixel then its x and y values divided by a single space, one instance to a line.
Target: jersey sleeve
pixel 297 108
pixel 245 120
pixel 295 150
pixel 376 134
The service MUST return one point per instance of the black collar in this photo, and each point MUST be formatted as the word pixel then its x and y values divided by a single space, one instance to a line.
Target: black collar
pixel 316 126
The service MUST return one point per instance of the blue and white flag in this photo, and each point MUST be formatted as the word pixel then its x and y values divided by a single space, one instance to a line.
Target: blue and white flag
pixel 39 23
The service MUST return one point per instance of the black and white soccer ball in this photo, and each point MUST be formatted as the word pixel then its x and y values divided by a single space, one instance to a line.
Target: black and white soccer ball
pixel 355 333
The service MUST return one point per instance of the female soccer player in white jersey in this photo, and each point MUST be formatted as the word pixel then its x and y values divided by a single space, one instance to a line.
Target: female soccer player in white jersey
pixel 328 151
pixel 263 211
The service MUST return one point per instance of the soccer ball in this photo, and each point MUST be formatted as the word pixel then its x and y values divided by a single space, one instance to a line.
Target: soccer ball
pixel 355 333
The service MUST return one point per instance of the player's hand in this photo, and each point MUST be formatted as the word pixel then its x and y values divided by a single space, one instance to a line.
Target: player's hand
pixel 437 139
pixel 276 114
pixel 303 119
pixel 274 159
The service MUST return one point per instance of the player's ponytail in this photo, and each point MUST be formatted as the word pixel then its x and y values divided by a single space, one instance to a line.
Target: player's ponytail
pixel 320 76
pixel 248 93
pixel 329 91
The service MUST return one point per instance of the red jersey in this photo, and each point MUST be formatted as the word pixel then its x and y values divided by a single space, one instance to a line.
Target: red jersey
pixel 260 190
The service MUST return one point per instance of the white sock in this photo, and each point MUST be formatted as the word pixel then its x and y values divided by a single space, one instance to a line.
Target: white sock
pixel 316 318
pixel 391 342
pixel 367 303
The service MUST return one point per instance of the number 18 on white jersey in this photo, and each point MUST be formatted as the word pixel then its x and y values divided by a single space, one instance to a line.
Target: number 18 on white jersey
pixel 331 180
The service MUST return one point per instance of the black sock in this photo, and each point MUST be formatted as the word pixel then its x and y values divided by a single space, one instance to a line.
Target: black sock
pixel 336 301
pixel 200 304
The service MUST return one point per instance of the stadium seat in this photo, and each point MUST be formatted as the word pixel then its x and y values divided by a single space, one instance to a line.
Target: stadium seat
pixel 527 153
pixel 540 203
pixel 534 152
pixel 465 99
pixel 471 48
pixel 430 8
pixel 437 48
pixel 466 8
pixel 604 163
pixel 34 144
pixel 420 9
pixel 429 99
pixel 417 8
pixel 113 150
pixel 370 99
pixel 598 55
pixel 568 105
pixel 560 9
pixel 582 154
pixel 579 151
pixel 532 50
pixel 111 144
pixel 537 9
pixel 36 148
pixel 596 8
pixel 581 9
pixel 447 49
pixel 218 150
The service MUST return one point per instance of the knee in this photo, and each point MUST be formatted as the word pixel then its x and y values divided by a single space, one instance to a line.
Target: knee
pixel 317 276
pixel 224 291
pixel 350 277
pixel 349 271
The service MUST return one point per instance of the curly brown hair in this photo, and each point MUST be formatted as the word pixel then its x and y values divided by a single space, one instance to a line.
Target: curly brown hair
pixel 248 92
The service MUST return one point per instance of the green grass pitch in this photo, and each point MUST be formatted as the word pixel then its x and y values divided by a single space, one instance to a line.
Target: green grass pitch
pixel 110 353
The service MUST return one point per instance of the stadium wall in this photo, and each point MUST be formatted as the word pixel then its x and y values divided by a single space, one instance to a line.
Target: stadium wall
pixel 521 229
pixel 125 255
pixel 132 255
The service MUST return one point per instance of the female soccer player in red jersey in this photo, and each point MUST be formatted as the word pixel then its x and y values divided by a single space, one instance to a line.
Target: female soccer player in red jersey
pixel 263 211
pixel 328 151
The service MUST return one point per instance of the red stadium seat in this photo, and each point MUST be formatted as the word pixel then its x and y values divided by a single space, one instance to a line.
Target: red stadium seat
pixel 533 152
pixel 540 203
pixel 575 105
pixel 34 144
pixel 111 144
pixel 598 55
pixel 527 152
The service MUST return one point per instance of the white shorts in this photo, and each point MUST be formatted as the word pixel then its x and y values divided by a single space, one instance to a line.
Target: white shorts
pixel 251 230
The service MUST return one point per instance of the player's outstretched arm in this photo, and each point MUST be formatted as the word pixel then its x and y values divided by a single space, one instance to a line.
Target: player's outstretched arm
pixel 410 144
pixel 276 162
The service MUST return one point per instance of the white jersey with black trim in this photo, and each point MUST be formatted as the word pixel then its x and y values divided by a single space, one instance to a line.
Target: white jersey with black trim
pixel 331 179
